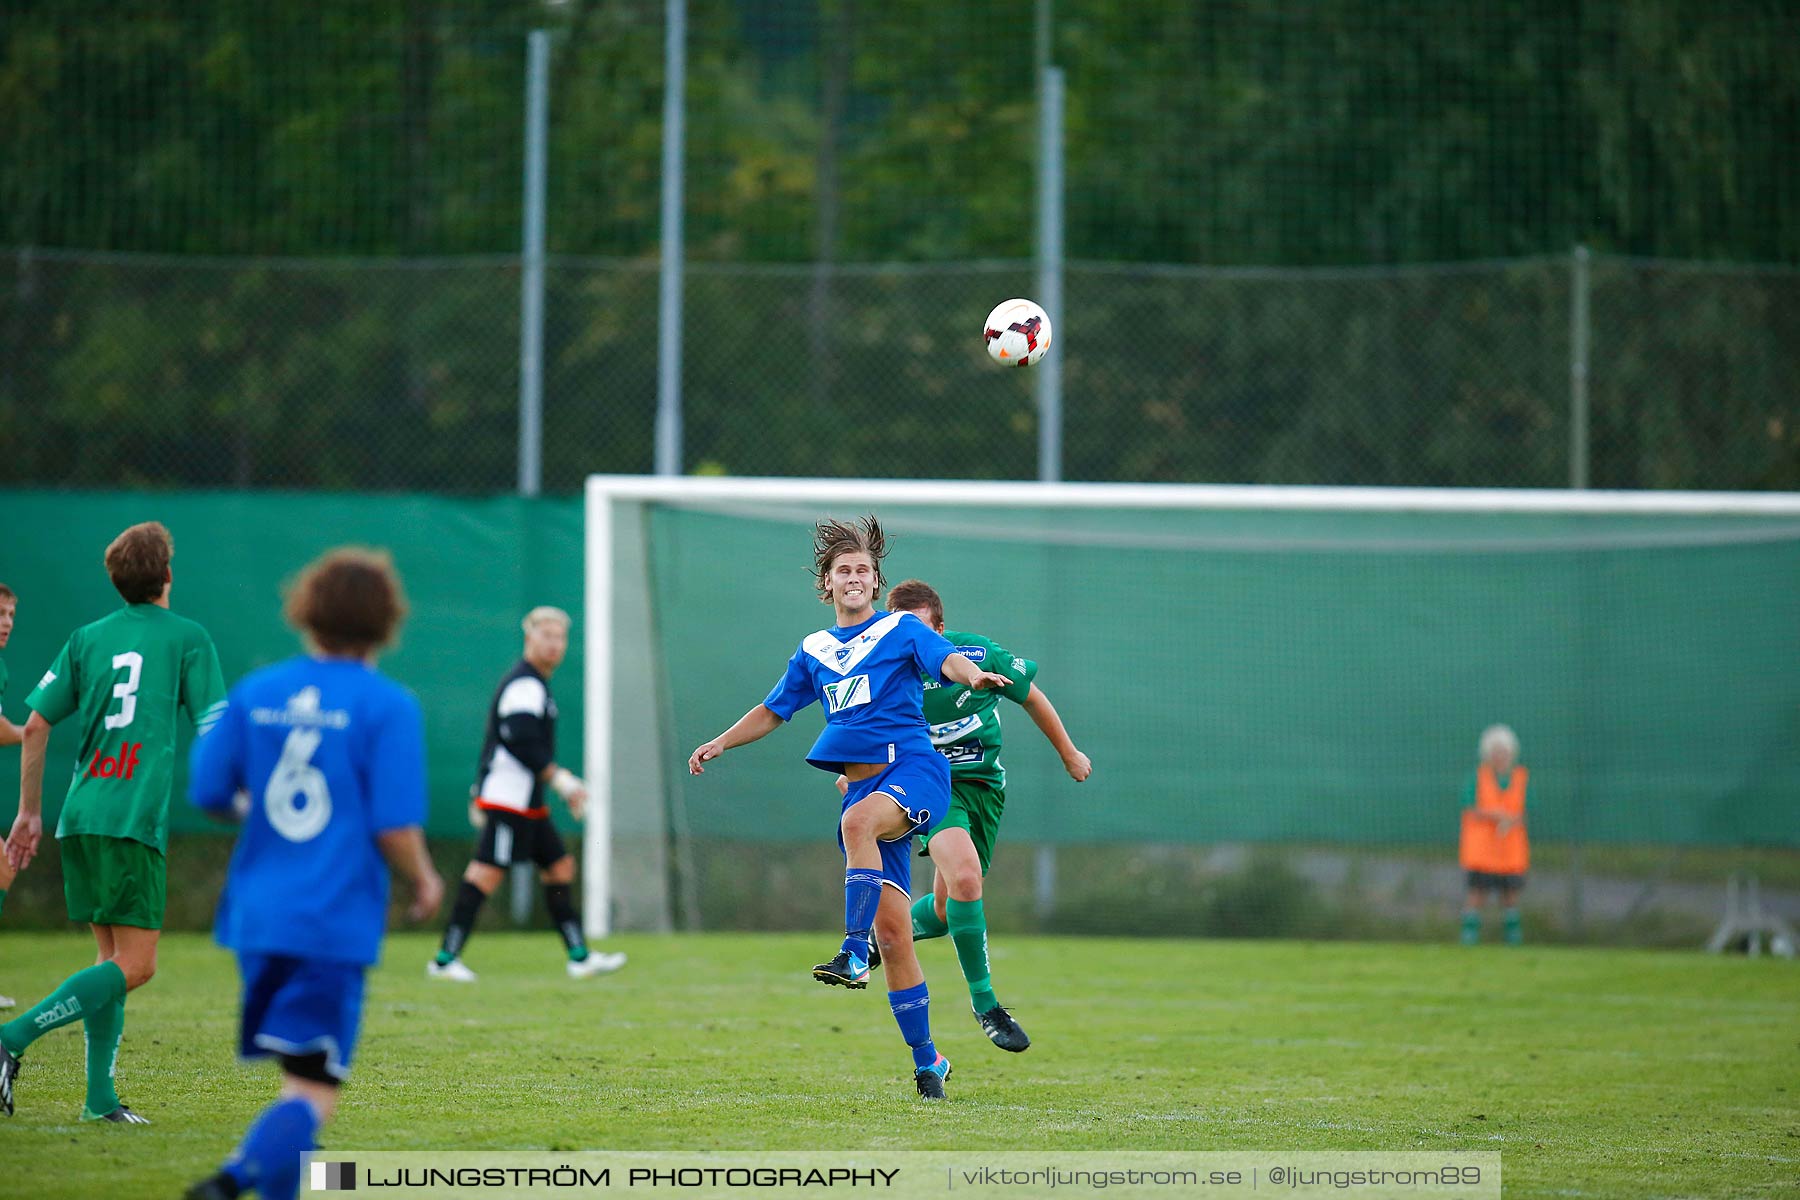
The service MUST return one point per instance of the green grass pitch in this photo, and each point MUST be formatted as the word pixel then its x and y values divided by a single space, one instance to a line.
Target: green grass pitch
pixel 1595 1072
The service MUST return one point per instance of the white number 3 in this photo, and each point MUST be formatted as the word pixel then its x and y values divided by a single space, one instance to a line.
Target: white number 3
pixel 125 691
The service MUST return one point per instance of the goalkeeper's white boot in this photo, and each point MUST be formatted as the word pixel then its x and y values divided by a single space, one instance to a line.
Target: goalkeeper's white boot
pixel 598 962
pixel 454 970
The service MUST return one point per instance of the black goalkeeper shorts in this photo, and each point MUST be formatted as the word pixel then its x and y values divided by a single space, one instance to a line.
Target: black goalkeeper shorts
pixel 510 837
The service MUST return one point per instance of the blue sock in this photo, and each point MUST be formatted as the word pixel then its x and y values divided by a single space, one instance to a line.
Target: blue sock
pixel 912 1011
pixel 269 1157
pixel 862 895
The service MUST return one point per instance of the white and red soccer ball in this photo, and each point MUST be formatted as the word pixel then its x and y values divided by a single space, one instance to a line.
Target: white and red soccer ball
pixel 1017 333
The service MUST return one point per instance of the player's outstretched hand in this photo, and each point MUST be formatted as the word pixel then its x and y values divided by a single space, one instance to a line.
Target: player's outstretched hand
pixel 22 842
pixel 572 789
pixel 428 894
pixel 988 679
pixel 704 754
pixel 1078 767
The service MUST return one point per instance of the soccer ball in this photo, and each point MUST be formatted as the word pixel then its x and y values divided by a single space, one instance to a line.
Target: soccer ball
pixel 1017 333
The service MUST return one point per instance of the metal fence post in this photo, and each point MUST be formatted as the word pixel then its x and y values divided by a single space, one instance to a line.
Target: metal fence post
pixel 668 334
pixel 1578 368
pixel 531 277
pixel 1050 271
pixel 1049 245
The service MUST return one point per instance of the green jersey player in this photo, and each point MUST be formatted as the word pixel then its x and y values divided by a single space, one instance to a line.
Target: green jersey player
pixel 125 677
pixel 10 734
pixel 965 727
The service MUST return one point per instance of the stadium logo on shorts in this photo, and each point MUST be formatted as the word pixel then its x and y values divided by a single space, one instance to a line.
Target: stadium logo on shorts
pixel 334 1177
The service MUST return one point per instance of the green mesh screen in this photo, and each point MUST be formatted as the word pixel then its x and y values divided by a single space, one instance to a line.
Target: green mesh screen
pixel 1284 676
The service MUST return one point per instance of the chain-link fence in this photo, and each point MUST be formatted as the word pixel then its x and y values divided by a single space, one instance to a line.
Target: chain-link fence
pixel 1315 157
pixel 404 374
pixel 1334 132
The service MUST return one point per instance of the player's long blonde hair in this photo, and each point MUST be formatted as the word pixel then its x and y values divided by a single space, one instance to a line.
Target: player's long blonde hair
pixel 834 539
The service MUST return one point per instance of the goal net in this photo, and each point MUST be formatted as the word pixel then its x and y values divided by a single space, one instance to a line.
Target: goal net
pixel 1281 690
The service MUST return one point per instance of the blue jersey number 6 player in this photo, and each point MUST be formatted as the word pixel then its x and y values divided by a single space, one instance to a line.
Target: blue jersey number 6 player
pixel 332 755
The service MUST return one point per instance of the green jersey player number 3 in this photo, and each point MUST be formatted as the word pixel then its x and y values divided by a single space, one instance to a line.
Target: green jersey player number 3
pixel 127 676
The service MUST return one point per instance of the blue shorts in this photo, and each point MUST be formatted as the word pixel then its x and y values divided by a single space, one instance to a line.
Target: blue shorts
pixel 920 785
pixel 301 1006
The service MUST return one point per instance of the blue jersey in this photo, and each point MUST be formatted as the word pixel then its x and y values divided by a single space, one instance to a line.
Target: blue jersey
pixel 331 754
pixel 870 679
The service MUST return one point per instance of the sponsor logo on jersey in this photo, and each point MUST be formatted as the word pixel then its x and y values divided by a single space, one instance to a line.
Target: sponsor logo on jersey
pixel 303 711
pixel 115 766
pixel 1018 666
pixel 897 788
pixel 950 731
pixel 962 752
pixel 48 679
pixel 845 693
pixel 973 653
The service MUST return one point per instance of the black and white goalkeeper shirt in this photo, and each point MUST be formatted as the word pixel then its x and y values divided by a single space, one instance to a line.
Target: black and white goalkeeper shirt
pixel 521 742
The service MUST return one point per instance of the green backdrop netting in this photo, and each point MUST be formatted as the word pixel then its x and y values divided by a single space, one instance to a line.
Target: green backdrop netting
pixel 1251 676
pixel 1235 675
pixel 471 568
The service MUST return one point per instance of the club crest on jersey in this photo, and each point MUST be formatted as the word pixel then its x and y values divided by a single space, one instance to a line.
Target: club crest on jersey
pixel 843 655
pixel 849 692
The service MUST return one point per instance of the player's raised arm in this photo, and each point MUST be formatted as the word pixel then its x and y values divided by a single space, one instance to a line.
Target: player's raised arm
pixel 958 669
pixel 1044 715
pixel 757 723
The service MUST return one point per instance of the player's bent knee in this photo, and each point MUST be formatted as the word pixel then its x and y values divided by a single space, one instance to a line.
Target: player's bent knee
pixel 484 877
pixel 857 827
pixel 965 886
pixel 560 871
pixel 892 926
pixel 137 974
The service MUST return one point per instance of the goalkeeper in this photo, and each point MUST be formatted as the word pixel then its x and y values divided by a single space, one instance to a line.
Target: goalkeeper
pixel 965 727
pixel 518 761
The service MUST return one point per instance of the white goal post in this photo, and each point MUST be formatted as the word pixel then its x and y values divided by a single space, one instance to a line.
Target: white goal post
pixel 611 564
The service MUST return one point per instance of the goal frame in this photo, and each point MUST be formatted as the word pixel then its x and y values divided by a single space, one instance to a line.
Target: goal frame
pixel 602 492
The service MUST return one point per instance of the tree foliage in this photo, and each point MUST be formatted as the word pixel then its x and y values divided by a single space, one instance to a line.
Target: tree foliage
pixel 1353 135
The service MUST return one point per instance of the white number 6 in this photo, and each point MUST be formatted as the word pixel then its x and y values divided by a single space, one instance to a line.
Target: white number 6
pixel 297 799
pixel 125 691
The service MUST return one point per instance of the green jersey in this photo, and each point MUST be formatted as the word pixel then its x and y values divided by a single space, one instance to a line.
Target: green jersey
pixel 965 724
pixel 127 674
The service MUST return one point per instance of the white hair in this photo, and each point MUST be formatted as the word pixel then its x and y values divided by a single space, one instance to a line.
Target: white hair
pixel 1498 737
pixel 542 613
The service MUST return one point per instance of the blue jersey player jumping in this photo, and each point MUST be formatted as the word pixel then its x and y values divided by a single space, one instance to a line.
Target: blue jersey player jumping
pixel 332 756
pixel 867 673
